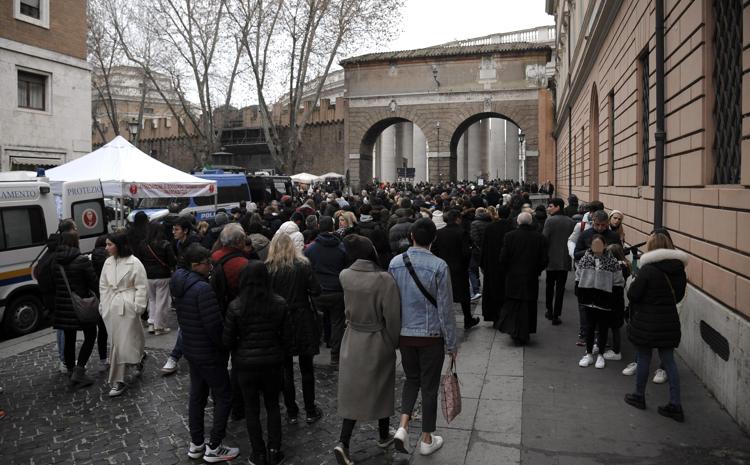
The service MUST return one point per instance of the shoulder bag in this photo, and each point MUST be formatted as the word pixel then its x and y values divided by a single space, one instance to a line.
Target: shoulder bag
pixel 86 308
pixel 419 284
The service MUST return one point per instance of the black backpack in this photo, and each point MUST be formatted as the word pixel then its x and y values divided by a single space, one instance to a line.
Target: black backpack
pixel 219 281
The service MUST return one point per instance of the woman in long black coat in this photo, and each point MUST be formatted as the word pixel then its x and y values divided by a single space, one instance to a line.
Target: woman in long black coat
pixel 524 256
pixel 82 280
pixel 654 322
pixel 452 245
pixel 292 278
pixel 493 293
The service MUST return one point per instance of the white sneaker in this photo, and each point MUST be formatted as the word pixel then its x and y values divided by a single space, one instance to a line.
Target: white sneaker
pixel 660 377
pixel 401 440
pixel 630 369
pixel 586 360
pixel 595 350
pixel 611 355
pixel 222 453
pixel 600 363
pixel 169 367
pixel 196 451
pixel 63 368
pixel 427 449
pixel 476 297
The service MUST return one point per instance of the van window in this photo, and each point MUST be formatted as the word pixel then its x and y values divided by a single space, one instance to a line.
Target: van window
pixel 231 194
pixel 205 200
pixel 22 227
pixel 89 218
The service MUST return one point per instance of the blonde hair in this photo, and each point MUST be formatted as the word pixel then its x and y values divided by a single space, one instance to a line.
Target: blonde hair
pixel 493 213
pixel 282 254
pixel 659 240
pixel 202 227
pixel 351 220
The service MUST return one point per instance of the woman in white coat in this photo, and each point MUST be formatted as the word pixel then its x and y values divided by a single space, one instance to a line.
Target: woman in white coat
pixel 123 289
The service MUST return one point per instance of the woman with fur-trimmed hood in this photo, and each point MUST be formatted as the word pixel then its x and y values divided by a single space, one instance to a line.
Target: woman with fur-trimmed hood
pixel 654 322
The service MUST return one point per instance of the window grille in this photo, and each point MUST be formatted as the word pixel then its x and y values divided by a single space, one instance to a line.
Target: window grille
pixel 727 111
pixel 644 117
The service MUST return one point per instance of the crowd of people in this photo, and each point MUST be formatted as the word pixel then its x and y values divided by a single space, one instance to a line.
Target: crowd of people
pixel 367 275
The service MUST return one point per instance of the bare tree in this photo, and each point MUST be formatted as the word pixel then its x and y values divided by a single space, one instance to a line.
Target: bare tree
pixel 105 52
pixel 313 33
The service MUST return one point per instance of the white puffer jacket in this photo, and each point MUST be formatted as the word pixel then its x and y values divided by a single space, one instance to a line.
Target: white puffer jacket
pixel 291 229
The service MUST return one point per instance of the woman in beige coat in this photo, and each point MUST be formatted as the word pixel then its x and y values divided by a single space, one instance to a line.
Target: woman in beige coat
pixel 367 363
pixel 123 289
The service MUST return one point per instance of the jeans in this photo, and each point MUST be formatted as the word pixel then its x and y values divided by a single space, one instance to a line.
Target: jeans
pixel 582 323
pixel 476 285
pixel 422 368
pixel 643 357
pixel 206 379
pixel 265 380
pixel 89 338
pixel 596 320
pixel 308 385
pixel 332 303
pixel 101 339
pixel 177 349
pixel 555 291
pixel 347 428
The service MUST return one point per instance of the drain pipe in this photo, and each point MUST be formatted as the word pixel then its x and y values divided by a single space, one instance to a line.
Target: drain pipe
pixel 570 119
pixel 660 135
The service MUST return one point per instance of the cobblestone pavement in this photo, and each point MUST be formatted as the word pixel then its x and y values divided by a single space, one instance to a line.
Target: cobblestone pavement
pixel 47 423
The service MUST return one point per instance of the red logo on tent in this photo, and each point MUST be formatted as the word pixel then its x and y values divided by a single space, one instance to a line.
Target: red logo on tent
pixel 90 218
pixel 211 188
pixel 133 189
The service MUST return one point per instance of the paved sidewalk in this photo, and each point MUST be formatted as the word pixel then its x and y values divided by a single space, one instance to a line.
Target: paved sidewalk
pixel 530 405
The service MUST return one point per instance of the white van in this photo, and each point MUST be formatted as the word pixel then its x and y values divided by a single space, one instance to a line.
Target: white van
pixel 29 213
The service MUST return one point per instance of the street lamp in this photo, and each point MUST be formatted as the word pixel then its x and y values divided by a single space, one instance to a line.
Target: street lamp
pixel 522 156
pixel 440 173
pixel 133 126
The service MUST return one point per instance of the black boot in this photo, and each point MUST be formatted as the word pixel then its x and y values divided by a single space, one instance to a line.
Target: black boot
pixel 672 411
pixel 79 379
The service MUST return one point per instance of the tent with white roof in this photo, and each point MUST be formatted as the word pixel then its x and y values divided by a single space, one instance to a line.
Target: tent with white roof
pixel 305 178
pixel 125 171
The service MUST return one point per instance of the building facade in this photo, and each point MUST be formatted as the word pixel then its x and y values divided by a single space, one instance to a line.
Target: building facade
pixel 610 93
pixel 45 106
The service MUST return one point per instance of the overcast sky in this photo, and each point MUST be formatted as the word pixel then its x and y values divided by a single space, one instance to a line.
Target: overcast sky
pixel 432 22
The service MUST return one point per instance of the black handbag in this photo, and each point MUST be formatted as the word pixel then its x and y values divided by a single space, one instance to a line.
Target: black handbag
pixel 86 308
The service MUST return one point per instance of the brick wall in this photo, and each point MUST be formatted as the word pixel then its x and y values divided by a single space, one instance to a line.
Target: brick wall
pixel 710 222
pixel 66 33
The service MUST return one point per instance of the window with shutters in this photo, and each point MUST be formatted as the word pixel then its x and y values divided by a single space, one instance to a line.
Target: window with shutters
pixel 727 77
pixel 611 138
pixel 643 117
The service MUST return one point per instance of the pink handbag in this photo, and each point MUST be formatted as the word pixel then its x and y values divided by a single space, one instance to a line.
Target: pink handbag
pixel 451 401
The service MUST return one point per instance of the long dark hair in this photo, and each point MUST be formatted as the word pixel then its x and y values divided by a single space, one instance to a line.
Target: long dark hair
pixel 155 234
pixel 255 289
pixel 120 240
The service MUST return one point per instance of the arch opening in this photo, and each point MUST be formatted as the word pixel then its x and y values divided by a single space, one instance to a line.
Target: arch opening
pixel 391 144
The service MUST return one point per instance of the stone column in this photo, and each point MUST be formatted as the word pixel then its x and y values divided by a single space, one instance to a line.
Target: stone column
pixel 496 165
pixel 388 154
pixel 474 152
pixel 465 137
pixel 376 158
pixel 461 158
pixel 419 154
pixel 511 150
pixel 484 147
pixel 407 143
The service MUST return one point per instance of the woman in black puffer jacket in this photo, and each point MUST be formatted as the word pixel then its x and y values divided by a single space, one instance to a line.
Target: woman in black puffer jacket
pixel 654 323
pixel 82 279
pixel 255 331
pixel 159 260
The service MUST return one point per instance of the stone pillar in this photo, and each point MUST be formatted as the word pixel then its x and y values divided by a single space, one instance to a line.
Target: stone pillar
pixel 511 150
pixel 484 147
pixel 474 152
pixel 466 154
pixel 419 154
pixel 407 143
pixel 461 158
pixel 376 158
pixel 388 154
pixel 496 165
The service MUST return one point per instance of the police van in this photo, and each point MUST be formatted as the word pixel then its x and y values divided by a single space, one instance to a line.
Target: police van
pixel 231 189
pixel 29 213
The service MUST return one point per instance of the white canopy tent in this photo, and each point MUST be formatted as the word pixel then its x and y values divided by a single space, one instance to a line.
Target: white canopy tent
pixel 305 178
pixel 125 171
pixel 331 175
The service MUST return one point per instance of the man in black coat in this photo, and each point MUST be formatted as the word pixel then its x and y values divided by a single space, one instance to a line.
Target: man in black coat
pixel 452 245
pixel 524 256
pixel 600 226
pixel 557 229
pixel 494 275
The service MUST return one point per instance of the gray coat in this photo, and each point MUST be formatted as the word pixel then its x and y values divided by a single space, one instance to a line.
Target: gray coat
pixel 367 362
pixel 557 229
